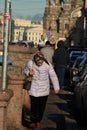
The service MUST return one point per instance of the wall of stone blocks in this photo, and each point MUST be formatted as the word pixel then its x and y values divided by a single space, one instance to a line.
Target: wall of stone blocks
pixel 14 111
pixel 15 78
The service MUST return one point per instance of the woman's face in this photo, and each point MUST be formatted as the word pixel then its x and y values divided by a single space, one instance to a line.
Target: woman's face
pixel 39 62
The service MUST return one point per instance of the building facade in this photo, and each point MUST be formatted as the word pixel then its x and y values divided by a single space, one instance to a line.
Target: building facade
pixel 22 22
pixel 34 33
pixel 27 30
pixel 60 17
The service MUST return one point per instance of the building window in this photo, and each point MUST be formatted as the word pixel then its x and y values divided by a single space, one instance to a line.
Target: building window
pixel 29 38
pixel 67 26
pixel 67 7
pixel 26 33
pixel 16 32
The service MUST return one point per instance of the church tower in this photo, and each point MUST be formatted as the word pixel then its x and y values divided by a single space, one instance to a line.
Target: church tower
pixel 58 18
pixel 50 17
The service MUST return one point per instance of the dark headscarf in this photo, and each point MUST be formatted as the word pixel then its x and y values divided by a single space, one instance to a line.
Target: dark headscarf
pixel 39 55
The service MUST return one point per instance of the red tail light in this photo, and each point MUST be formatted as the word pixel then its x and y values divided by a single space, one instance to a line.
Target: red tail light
pixel 75 71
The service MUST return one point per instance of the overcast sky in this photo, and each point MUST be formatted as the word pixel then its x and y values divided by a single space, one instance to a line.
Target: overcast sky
pixel 25 8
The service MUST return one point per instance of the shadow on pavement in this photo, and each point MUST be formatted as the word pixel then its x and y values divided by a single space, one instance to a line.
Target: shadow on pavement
pixel 59 120
pixel 65 119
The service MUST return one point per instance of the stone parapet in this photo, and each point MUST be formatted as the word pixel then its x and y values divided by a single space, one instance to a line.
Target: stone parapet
pixel 14 111
pixel 19 55
pixel 5 97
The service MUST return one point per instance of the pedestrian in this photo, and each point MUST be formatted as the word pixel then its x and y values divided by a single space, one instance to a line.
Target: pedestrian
pixel 60 60
pixel 40 86
pixel 48 51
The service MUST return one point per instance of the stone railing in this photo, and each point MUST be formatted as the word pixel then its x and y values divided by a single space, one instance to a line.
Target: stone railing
pixel 12 120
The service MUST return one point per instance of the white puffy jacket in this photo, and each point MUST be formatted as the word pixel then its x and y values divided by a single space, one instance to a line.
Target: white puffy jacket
pixel 41 79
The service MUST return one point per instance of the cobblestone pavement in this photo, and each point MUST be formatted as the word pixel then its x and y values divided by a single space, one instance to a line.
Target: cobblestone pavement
pixel 58 113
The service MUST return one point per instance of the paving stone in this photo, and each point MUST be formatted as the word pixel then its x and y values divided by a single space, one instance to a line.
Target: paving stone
pixel 57 115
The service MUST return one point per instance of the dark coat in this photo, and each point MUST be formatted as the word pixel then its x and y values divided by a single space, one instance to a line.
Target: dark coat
pixel 61 55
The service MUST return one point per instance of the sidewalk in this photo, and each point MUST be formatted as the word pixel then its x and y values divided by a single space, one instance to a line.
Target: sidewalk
pixel 58 114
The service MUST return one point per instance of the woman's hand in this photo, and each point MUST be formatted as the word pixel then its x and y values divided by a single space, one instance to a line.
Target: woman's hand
pixel 31 73
pixel 56 91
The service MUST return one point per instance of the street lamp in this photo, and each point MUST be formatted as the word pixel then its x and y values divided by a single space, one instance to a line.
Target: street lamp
pixel 5 45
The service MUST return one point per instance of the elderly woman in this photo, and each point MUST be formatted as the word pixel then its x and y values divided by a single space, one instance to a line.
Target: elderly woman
pixel 42 72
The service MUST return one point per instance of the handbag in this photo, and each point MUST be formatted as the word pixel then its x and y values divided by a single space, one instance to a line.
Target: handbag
pixel 28 81
pixel 26 100
pixel 26 105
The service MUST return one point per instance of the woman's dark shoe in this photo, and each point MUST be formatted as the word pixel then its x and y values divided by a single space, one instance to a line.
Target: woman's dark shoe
pixel 38 125
pixel 32 125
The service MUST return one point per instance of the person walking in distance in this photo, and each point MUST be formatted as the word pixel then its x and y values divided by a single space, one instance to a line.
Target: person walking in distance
pixel 60 60
pixel 48 51
pixel 40 86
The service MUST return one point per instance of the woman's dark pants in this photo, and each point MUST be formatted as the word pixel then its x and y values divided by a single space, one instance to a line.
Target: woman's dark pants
pixel 37 108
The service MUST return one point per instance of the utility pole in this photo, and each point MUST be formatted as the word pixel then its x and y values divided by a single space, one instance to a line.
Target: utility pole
pixel 5 45
pixel 10 29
